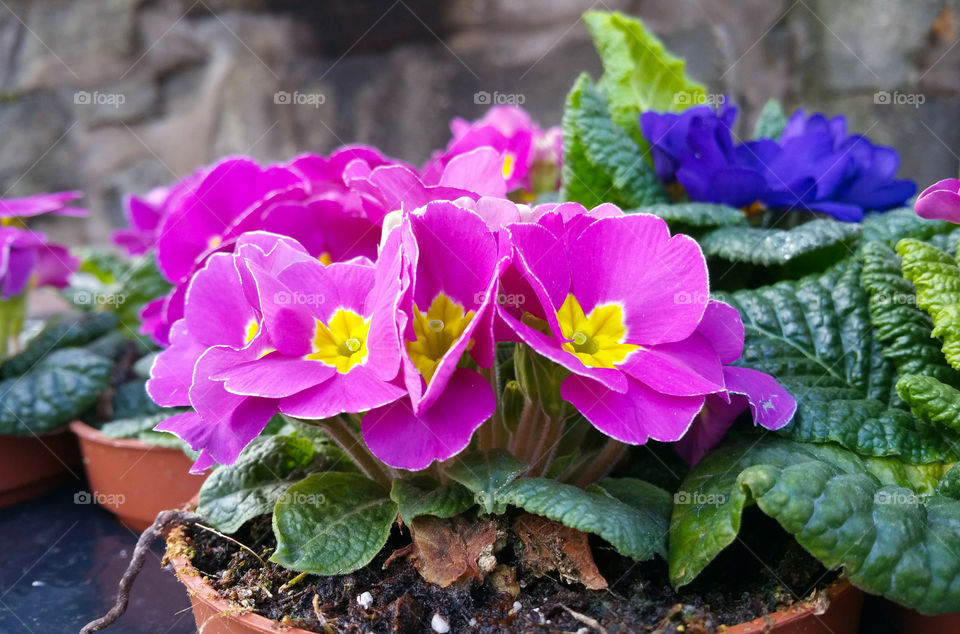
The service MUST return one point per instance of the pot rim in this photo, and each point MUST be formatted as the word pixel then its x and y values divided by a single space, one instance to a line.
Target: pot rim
pixel 87 432
pixel 197 586
pixel 799 610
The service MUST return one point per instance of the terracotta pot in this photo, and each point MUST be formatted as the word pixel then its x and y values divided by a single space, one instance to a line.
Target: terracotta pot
pixel 132 479
pixel 842 615
pixel 31 465
pixel 216 615
pixel 912 622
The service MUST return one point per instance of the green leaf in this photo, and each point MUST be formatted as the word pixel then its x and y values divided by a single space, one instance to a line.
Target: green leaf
pixel 332 523
pixel 891 226
pixel 580 180
pixel 639 74
pixel 422 495
pixel 902 328
pixel 117 284
pixel 937 279
pixel 771 122
pixel 609 149
pixel 485 474
pixel 820 240
pixel 135 426
pixel 949 485
pixel 694 215
pixel 636 532
pixel 815 336
pixel 58 389
pixel 131 400
pixel 888 539
pixel 636 493
pixel 58 332
pixel 235 494
pixel 931 400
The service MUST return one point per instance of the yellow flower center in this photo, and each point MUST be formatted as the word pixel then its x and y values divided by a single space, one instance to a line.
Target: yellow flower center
pixel 252 329
pixel 509 162
pixel 214 242
pixel 436 332
pixel 597 338
pixel 341 343
pixel 325 258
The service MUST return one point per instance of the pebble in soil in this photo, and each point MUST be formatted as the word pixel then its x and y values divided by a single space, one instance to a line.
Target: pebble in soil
pixel 744 582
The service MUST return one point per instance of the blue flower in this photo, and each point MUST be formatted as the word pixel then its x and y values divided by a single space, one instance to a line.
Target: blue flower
pixel 814 166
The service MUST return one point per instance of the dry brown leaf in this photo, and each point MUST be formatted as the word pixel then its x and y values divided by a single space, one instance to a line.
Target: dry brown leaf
pixel 549 546
pixel 448 549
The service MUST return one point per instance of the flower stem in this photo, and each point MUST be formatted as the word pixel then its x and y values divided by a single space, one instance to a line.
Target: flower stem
pixel 528 422
pixel 611 454
pixel 343 434
pixel 546 446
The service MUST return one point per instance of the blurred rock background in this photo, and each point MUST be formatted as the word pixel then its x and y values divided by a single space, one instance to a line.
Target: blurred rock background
pixel 115 96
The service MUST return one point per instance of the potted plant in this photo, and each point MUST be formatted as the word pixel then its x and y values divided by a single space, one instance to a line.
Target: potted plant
pixel 459 377
pixel 133 471
pixel 36 452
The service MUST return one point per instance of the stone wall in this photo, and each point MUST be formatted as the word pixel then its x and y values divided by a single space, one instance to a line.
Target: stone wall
pixel 111 96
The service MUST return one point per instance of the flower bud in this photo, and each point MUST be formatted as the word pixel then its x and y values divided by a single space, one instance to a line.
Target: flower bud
pixel 540 379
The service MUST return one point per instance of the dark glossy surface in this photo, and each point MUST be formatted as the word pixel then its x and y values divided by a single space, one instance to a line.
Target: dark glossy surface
pixel 60 565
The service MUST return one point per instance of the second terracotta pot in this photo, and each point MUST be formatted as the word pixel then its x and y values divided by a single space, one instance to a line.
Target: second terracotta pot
pixel 31 465
pixel 132 479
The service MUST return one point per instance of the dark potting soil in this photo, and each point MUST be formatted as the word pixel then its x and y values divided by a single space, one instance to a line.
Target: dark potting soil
pixel 765 572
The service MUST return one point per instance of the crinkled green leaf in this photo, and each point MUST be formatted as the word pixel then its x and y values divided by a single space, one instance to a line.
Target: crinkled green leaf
pixel 609 149
pixel 902 328
pixel 636 493
pixel 332 523
pixel 637 532
pixel 937 279
pixel 949 485
pixel 771 121
pixel 891 226
pixel 133 427
pixel 822 240
pixel 931 400
pixel 59 332
pixel 888 539
pixel 422 495
pixel 814 335
pixel 117 284
pixel 485 473
pixel 580 180
pixel 57 389
pixel 921 478
pixel 695 214
pixel 639 74
pixel 131 400
pixel 234 494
